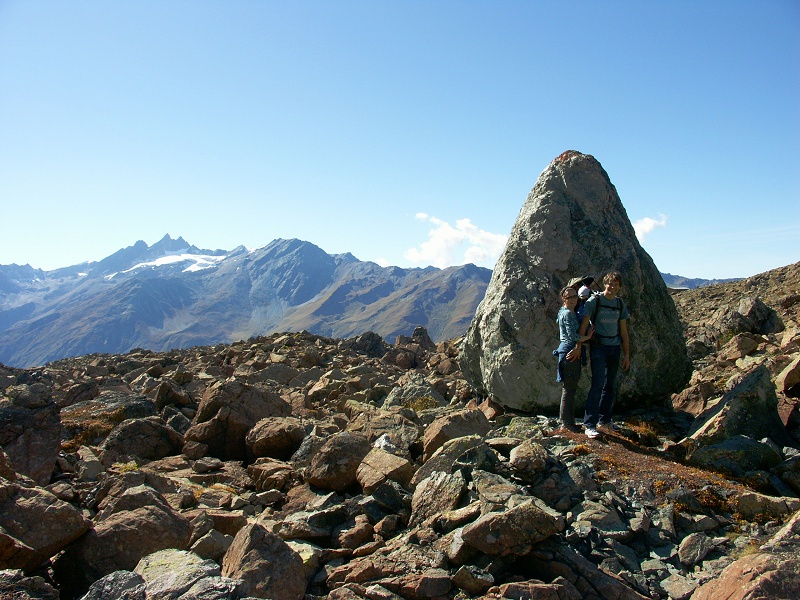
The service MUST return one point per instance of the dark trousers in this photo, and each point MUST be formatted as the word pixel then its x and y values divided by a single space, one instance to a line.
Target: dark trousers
pixel 570 374
pixel 605 365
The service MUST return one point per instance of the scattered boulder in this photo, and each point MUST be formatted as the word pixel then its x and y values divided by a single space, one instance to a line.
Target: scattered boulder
pixel 513 532
pixel 749 409
pixel 335 465
pixel 266 564
pixel 736 456
pixel 30 430
pixel 453 425
pixel 149 438
pixel 35 525
pixel 755 576
pixel 275 437
pixel 227 412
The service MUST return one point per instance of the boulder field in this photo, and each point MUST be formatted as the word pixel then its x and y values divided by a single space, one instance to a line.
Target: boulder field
pixel 297 466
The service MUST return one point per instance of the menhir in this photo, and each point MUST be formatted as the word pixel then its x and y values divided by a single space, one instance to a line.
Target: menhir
pixel 572 224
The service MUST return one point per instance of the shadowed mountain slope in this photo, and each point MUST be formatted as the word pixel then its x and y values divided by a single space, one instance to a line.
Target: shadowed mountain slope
pixel 174 295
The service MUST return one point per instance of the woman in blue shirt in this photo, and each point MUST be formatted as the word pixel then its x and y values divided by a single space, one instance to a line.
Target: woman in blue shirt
pixel 569 354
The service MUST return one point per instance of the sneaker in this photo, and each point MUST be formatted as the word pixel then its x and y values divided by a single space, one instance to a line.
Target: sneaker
pixel 592 433
pixel 609 426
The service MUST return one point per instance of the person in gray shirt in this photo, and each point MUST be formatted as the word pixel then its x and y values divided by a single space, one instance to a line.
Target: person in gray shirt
pixel 610 349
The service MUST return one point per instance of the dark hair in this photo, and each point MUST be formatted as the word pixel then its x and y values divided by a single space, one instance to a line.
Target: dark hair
pixel 610 276
pixel 566 290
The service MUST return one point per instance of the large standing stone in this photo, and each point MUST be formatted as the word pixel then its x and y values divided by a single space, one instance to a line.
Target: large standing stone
pixel 572 224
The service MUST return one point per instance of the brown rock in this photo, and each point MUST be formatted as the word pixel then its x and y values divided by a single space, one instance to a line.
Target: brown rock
pixel 121 540
pixel 513 532
pixel 30 430
pixel 275 437
pixel 227 412
pixel 149 438
pixel 454 425
pixel 788 380
pixel 271 474
pixel 267 565
pixel 755 577
pixel 35 525
pixel 335 465
pixel 378 466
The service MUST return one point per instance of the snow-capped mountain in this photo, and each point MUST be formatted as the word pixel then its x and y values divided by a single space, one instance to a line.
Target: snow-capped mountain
pixel 174 295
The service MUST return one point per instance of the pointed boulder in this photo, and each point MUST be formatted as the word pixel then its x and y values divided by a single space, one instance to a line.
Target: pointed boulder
pixel 572 224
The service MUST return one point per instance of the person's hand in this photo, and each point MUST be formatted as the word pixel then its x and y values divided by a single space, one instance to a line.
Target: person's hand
pixel 626 363
pixel 574 354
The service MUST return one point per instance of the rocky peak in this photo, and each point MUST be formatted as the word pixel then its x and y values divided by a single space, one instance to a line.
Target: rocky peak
pixel 572 223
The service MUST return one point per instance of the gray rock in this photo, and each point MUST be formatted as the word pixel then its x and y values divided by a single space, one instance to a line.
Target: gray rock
pixel 119 585
pixel 564 229
pixel 605 519
pixel 170 573
pixel 473 580
pixel 14 585
pixel 437 494
pixel 413 387
pixel 735 456
pixel 679 587
pixel 694 548
pixel 750 409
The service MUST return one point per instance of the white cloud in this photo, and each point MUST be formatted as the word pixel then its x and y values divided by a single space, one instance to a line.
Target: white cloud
pixel 463 243
pixel 644 226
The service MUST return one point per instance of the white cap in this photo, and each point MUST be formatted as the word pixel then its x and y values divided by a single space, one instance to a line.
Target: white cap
pixel 584 292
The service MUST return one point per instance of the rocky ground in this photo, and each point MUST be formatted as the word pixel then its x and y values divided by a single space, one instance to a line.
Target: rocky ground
pixel 295 465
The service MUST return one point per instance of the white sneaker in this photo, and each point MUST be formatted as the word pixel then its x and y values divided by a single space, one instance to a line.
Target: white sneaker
pixel 592 433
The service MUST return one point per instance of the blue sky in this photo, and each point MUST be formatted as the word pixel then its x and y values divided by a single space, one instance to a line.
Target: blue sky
pixel 408 133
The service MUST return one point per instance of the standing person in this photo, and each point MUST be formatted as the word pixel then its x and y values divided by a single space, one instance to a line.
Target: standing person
pixel 569 354
pixel 610 347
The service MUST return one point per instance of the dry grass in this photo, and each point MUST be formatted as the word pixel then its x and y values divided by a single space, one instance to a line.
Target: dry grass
pixel 623 462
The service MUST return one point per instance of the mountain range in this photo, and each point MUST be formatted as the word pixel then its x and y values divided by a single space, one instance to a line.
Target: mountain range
pixel 175 295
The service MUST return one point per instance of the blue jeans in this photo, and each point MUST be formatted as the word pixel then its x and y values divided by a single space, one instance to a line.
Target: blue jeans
pixel 605 365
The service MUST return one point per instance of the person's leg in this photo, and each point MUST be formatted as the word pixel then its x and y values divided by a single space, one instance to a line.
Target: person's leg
pixel 571 373
pixel 598 360
pixel 610 384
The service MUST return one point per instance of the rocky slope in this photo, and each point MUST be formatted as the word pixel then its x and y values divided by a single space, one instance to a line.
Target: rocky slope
pixel 298 465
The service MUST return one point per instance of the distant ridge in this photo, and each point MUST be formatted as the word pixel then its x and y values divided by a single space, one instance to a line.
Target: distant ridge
pixel 691 283
pixel 175 295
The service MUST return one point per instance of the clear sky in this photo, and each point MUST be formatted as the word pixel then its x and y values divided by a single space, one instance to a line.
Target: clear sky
pixel 408 133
